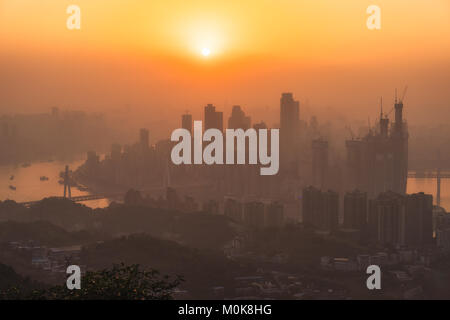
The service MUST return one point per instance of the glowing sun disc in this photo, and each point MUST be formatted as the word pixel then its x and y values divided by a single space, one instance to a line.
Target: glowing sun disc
pixel 206 52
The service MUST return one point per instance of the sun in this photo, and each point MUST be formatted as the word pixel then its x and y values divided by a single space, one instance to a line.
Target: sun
pixel 206 52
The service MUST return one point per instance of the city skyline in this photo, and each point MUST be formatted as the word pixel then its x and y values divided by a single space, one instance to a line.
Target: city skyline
pixel 332 62
pixel 241 151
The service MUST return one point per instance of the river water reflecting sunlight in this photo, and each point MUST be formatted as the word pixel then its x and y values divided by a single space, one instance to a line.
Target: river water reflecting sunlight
pixel 29 187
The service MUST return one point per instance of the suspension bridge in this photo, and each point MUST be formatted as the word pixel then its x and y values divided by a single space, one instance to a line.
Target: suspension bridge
pixel 68 193
pixel 76 199
pixel 68 182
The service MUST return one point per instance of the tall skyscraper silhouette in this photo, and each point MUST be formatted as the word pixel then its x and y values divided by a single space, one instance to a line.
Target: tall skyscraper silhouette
pixel 401 219
pixel 213 118
pixel 144 138
pixel 320 209
pixel 320 163
pixel 186 122
pixel 238 119
pixel 355 210
pixel 400 150
pixel 379 161
pixel 289 130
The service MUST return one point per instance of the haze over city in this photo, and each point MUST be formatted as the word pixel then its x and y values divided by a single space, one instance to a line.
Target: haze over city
pixel 148 56
pixel 224 150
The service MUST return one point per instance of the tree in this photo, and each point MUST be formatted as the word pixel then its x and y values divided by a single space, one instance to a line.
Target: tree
pixel 119 283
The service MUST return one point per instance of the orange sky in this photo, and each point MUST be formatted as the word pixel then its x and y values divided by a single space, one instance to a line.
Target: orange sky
pixel 147 54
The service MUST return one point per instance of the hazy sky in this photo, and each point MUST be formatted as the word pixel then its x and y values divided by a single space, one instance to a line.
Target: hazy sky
pixel 148 55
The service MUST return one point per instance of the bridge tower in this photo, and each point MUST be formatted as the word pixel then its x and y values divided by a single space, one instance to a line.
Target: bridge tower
pixel 67 190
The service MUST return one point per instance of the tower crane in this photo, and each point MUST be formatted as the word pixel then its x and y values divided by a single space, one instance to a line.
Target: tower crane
pixel 404 94
pixel 401 99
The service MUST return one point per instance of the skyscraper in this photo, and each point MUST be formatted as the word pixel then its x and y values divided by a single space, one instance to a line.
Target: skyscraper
pixel 401 219
pixel 320 209
pixel 356 174
pixel 213 118
pixel 386 214
pixel 320 163
pixel 238 119
pixel 289 123
pixel 379 161
pixel 144 138
pixel 400 150
pixel 329 220
pixel 418 220
pixel 186 122
pixel 311 205
pixel 355 210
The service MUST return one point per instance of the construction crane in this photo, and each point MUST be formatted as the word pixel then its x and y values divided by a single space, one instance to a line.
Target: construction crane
pixel 401 99
pixel 404 94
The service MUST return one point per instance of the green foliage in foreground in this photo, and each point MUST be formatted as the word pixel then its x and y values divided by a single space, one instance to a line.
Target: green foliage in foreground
pixel 119 283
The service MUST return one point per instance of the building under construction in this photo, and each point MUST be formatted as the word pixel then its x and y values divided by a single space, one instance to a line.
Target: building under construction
pixel 378 162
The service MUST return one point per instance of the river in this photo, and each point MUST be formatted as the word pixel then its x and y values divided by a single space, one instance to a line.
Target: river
pixel 29 187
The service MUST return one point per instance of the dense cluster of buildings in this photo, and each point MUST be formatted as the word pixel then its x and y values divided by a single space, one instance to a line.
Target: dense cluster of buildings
pixel 364 197
pixel 375 204
pixel 258 214
pixel 391 218
pixel 148 167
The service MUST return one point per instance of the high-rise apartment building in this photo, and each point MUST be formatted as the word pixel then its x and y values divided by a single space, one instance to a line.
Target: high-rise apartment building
pixel 238 119
pixel 320 209
pixel 355 210
pixel 144 138
pixel 213 118
pixel 419 219
pixel 401 219
pixel 320 163
pixel 186 122
pixel 379 162
pixel 289 130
